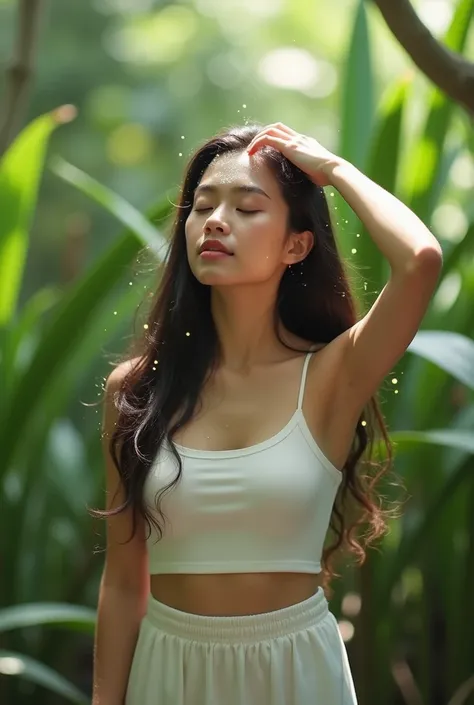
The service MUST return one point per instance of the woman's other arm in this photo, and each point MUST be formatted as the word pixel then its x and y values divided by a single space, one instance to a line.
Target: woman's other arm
pixel 125 579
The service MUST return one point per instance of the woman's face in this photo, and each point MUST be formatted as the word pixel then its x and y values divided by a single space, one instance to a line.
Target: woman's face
pixel 239 203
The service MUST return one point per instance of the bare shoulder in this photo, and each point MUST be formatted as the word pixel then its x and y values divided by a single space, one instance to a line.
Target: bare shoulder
pixel 118 374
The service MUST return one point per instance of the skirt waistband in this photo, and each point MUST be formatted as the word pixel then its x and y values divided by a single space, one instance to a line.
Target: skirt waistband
pixel 240 628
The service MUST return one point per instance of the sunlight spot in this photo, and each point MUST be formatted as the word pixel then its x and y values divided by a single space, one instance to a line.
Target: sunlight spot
pixel 297 69
pixel 129 144
pixel 448 292
pixel 351 604
pixel 347 629
pixel 11 666
pixel 451 220
pixel 436 14
pixel 462 171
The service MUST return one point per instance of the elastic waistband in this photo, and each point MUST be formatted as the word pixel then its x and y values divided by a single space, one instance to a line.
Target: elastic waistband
pixel 241 628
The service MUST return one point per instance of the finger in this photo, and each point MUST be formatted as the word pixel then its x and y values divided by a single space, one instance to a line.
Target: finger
pixel 271 131
pixel 269 140
pixel 285 128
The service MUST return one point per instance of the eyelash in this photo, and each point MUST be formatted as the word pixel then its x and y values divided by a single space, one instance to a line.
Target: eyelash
pixel 203 210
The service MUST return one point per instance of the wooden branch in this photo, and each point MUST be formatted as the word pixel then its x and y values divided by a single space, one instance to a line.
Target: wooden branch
pixel 453 74
pixel 20 71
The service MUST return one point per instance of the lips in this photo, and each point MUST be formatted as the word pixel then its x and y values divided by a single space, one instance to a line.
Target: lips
pixel 214 246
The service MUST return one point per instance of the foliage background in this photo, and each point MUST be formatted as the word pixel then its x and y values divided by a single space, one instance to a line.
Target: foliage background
pixel 150 81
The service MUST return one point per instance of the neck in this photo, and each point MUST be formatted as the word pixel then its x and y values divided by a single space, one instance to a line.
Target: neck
pixel 245 328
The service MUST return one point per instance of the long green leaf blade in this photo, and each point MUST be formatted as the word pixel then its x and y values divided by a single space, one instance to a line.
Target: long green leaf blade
pixel 451 351
pixel 20 174
pixel 34 614
pixel 13 664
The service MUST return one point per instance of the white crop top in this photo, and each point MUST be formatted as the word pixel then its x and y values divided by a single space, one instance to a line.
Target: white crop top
pixel 258 509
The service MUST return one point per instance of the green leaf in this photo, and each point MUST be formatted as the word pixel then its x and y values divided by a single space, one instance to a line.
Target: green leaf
pixel 357 109
pixel 20 174
pixel 34 614
pixel 414 538
pixel 13 664
pixel 383 168
pixel 451 351
pixel 83 303
pixel 357 112
pixel 423 168
pixel 20 332
pixel 115 204
pixel 450 438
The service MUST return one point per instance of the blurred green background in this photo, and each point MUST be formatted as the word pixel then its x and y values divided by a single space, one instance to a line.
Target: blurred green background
pixel 84 205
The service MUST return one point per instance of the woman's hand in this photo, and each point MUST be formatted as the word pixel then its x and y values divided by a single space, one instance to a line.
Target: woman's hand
pixel 305 152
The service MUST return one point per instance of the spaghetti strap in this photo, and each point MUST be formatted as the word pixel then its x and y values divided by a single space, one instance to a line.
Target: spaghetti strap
pixel 303 378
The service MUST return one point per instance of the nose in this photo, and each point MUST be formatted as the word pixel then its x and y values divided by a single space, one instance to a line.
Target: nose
pixel 215 223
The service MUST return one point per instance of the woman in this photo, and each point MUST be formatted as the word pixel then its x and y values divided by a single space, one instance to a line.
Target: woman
pixel 240 420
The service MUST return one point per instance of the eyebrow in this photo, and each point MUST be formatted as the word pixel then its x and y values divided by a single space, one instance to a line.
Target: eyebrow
pixel 239 189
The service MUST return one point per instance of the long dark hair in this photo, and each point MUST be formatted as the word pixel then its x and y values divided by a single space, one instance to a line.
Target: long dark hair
pixel 180 348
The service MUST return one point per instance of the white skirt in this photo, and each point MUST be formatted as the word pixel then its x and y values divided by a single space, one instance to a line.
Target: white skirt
pixel 291 656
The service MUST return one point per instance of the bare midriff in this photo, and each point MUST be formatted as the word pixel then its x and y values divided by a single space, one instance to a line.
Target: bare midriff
pixel 233 594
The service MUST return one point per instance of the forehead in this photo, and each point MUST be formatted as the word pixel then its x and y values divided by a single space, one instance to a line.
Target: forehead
pixel 238 169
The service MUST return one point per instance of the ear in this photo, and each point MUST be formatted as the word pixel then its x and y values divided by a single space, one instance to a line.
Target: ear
pixel 299 246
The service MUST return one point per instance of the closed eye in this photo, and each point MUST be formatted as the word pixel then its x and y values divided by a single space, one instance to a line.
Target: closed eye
pixel 241 210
